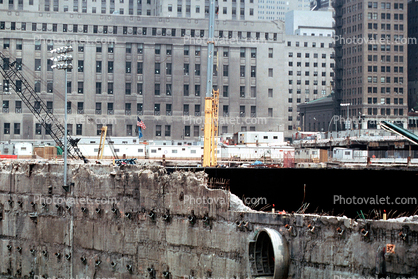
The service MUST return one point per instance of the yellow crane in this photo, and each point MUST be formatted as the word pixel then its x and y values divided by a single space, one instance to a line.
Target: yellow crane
pixel 103 137
pixel 211 100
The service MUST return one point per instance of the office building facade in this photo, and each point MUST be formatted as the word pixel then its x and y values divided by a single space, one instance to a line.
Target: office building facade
pixel 151 67
pixel 371 60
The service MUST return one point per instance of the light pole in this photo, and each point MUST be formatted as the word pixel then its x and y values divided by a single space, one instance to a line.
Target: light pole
pixel 64 63
pixel 347 123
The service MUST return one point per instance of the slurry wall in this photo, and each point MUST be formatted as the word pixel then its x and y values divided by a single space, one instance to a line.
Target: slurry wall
pixel 124 222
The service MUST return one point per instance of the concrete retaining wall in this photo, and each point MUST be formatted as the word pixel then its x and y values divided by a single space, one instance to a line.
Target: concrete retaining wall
pixel 124 222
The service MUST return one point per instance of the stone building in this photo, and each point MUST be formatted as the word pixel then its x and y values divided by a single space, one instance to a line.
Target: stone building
pixel 371 60
pixel 155 68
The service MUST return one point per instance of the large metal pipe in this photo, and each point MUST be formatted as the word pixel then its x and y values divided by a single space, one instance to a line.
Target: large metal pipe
pixel 269 253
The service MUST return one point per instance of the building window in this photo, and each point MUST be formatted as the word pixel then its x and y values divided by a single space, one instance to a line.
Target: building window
pixel 168 89
pixel 128 67
pixel 139 88
pixel 98 88
pixel 225 70
pixel 168 67
pixel 157 68
pixel 242 91
pixel 253 71
pixel 225 91
pixel 187 131
pixel 98 66
pixel 80 87
pixel 186 90
pixel 167 131
pixel 128 88
pixel 197 90
pixel 197 69
pixel 157 89
pixel 6 129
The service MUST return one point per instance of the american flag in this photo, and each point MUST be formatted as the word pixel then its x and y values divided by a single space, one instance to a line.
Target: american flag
pixel 141 124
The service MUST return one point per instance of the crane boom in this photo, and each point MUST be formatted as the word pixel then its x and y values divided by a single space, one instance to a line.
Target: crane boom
pixel 27 94
pixel 211 100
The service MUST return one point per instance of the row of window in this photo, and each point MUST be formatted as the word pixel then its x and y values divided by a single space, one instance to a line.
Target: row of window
pixel 385 111
pixel 307 91
pixel 307 82
pixel 385 27
pixel 385 5
pixel 308 55
pixel 384 16
pixel 315 64
pixel 385 101
pixel 384 90
pixel 307 73
pixel 139 88
pixel 139 109
pixel 384 69
pixel 374 79
pixel 313 44
pixel 153 31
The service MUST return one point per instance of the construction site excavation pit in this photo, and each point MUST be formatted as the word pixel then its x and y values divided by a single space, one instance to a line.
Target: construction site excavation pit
pixel 140 221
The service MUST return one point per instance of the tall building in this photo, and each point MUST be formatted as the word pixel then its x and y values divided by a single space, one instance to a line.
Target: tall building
pixel 153 67
pixel 276 10
pixel 371 60
pixel 311 63
pixel 309 23
pixel 322 5
pixel 226 10
pixel 413 55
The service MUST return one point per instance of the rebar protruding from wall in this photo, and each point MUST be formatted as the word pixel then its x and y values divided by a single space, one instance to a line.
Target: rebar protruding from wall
pixel 192 218
pixel 151 215
pixel 206 220
pixel 128 267
pixel 151 272
pixel 166 216
pixel 364 232
pixel 311 228
pixel 340 231
pixel 83 259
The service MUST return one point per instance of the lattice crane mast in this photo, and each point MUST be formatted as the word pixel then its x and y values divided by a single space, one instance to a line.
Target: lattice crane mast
pixel 26 92
pixel 211 100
